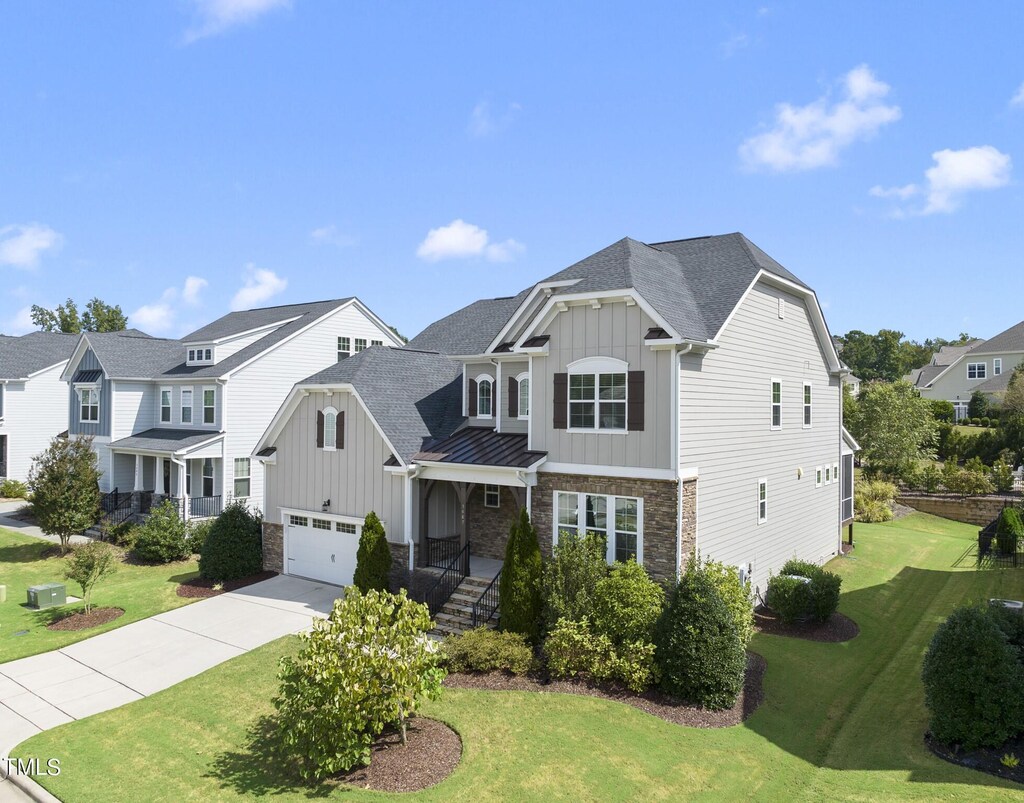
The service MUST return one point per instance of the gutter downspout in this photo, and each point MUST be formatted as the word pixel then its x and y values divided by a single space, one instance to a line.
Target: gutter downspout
pixel 182 491
pixel 686 349
pixel 414 471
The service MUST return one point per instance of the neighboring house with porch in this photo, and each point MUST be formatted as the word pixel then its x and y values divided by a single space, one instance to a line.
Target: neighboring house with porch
pixel 33 408
pixel 180 418
pixel 673 397
pixel 956 372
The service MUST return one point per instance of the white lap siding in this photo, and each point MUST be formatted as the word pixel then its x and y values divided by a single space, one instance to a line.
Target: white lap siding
pixel 34 412
pixel 725 433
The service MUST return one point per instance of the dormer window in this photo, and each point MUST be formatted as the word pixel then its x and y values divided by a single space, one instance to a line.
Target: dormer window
pixel 484 397
pixel 89 404
pixel 200 355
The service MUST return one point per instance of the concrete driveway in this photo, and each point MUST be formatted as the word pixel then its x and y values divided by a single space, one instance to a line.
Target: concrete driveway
pixel 136 660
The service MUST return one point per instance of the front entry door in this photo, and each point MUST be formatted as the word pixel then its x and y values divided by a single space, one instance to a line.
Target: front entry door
pixel 167 477
pixel 3 455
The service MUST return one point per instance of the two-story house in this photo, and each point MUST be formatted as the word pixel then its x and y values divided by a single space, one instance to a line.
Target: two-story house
pixel 672 397
pixel 33 407
pixel 956 372
pixel 180 418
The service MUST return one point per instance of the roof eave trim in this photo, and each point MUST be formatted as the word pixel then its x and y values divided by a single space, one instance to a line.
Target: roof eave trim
pixel 44 370
pixel 76 356
pixel 267 327
pixel 516 316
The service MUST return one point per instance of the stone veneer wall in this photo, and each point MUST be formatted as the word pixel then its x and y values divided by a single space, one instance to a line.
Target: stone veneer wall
pixel 273 547
pixel 978 510
pixel 489 526
pixel 661 499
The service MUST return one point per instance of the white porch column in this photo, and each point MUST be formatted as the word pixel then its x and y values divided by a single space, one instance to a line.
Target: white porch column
pixel 183 488
pixel 138 473
pixel 158 481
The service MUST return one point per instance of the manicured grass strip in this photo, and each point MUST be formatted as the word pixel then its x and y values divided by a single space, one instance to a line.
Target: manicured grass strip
pixel 140 590
pixel 840 721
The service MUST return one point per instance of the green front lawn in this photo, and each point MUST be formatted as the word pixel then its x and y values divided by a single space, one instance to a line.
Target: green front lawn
pixel 840 721
pixel 141 590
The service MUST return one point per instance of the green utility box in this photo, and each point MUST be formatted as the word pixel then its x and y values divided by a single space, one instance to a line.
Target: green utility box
pixel 48 595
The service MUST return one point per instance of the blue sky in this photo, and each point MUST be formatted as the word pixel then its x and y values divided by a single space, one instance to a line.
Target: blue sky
pixel 180 158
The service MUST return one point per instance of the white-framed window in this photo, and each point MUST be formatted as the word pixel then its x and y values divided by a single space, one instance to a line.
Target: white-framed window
pixel 976 370
pixel 200 355
pixel 835 472
pixel 346 527
pixel 597 394
pixel 762 500
pixel 828 475
pixel 330 429
pixel 819 473
pixel 186 405
pixel 523 385
pixel 619 519
pixel 208 355
pixel 807 405
pixel 88 405
pixel 321 524
pixel 344 348
pixel 191 355
pixel 243 469
pixel 165 405
pixel 209 405
pixel 484 397
pixel 298 521
pixel 776 404
pixel 376 342
pixel 360 344
pixel 492 495
pixel 208 476
pixel 997 366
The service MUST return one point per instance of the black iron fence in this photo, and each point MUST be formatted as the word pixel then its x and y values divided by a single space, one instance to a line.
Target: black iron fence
pixel 451 578
pixel 204 507
pixel 486 608
pixel 999 550
pixel 440 551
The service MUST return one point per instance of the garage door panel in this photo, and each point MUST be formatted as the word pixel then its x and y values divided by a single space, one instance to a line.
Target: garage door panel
pixel 320 554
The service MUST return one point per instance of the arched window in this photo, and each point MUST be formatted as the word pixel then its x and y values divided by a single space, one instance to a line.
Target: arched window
pixel 484 397
pixel 524 395
pixel 330 428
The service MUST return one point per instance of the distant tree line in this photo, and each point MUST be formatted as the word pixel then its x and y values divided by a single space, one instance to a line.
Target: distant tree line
pixel 888 355
pixel 96 317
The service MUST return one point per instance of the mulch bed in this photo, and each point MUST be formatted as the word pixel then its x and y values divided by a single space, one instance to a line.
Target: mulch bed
pixel 201 588
pixel 838 628
pixel 984 759
pixel 83 621
pixel 431 753
pixel 653 702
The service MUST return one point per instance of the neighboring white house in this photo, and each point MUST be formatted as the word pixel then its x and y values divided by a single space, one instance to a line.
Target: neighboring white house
pixel 675 397
pixel 180 418
pixel 33 407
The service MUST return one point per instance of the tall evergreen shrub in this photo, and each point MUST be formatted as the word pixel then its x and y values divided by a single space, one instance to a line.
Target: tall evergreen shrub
pixel 519 598
pixel 373 560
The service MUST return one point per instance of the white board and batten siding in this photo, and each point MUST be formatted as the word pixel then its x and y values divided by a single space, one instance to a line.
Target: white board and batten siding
pixel 725 433
pixel 34 411
pixel 353 478
pixel 256 391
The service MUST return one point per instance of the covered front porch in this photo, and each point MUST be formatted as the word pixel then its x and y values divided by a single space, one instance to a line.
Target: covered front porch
pixel 182 466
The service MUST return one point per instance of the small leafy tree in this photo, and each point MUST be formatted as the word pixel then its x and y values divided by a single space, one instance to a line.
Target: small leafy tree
pixel 735 594
pixel 234 545
pixel 64 481
pixel 627 603
pixel 369 665
pixel 571 576
pixel 88 564
pixel 162 537
pixel 519 596
pixel 373 558
pixel 896 426
pixel 978 406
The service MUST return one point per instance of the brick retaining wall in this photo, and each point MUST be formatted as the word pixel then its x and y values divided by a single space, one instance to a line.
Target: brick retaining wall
pixel 979 510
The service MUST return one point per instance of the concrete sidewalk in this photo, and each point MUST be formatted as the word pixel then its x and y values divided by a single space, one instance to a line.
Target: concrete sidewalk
pixel 134 661
pixel 23 527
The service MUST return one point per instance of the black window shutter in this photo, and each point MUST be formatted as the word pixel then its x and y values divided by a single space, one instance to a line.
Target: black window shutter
pixel 513 397
pixel 339 431
pixel 560 406
pixel 319 429
pixel 635 406
pixel 472 397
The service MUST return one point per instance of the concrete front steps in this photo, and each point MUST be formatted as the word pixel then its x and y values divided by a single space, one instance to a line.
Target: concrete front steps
pixel 456 616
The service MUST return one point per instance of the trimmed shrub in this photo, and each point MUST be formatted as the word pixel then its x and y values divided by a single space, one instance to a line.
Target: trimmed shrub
pixel 486 650
pixel 124 534
pixel 627 604
pixel 369 665
pixel 824 587
pixel 234 544
pixel 736 594
pixel 985 421
pixel 13 489
pixel 973 681
pixel 698 647
pixel 570 578
pixel 573 650
pixel 519 598
pixel 88 564
pixel 161 537
pixel 1009 530
pixel 975 421
pixel 196 532
pixel 943 411
pixel 373 558
pixel 789 597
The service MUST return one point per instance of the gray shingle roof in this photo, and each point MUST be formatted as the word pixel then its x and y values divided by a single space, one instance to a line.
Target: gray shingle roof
pixel 21 356
pixel 997 384
pixel 947 355
pixel 304 314
pixel 235 323
pixel 693 284
pixel 133 354
pixel 1011 339
pixel 165 440
pixel 414 396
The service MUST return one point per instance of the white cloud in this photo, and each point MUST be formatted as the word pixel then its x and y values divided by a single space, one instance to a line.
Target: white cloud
pixel 260 284
pixel 22 244
pixel 161 316
pixel 329 235
pixel 954 174
pixel 734 44
pixel 1018 97
pixel 461 240
pixel 484 120
pixel 217 16
pixel 811 136
pixel 21 323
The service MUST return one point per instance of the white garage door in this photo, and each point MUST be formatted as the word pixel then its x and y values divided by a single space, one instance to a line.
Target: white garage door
pixel 321 549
